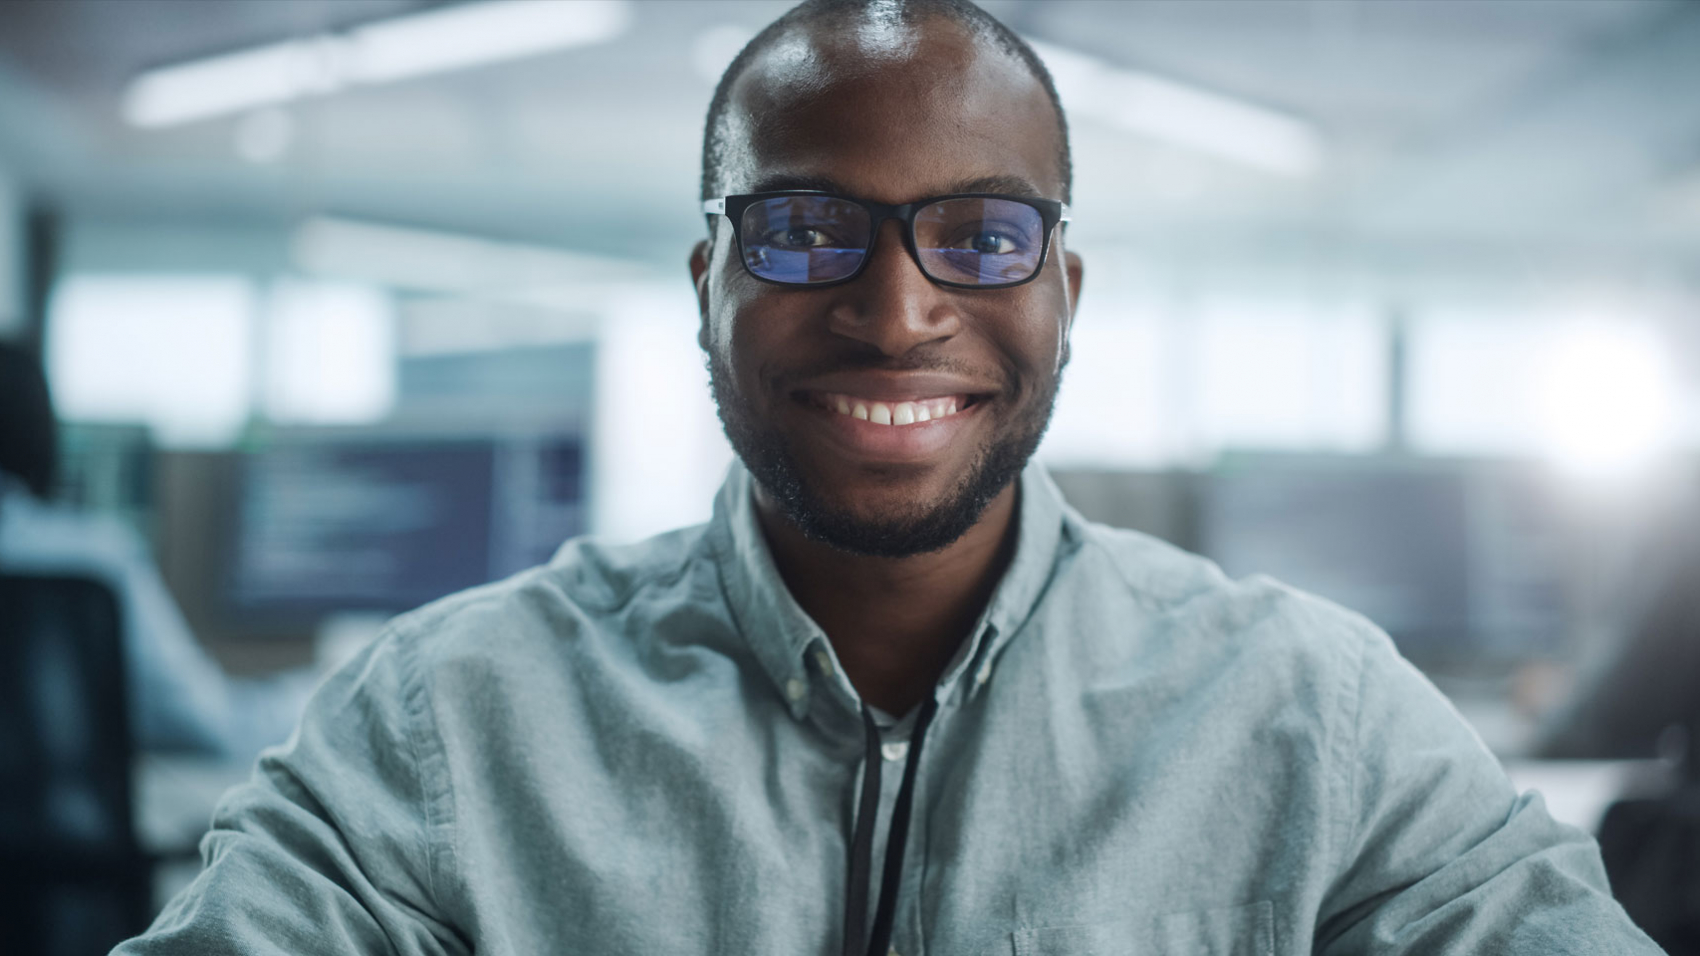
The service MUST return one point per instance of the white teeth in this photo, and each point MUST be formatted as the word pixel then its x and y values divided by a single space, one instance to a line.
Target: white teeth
pixel 892 413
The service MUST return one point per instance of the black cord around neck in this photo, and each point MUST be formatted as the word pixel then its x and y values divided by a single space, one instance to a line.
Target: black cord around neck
pixel 858 941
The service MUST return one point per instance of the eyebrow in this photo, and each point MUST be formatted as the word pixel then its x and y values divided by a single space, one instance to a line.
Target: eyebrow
pixel 1003 185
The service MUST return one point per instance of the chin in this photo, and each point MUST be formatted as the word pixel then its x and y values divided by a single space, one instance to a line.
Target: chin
pixel 891 520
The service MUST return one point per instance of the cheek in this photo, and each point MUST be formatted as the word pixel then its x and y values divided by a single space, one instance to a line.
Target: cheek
pixel 730 318
pixel 749 337
pixel 1034 340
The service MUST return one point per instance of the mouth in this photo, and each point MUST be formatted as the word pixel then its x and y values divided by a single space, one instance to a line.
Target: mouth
pixel 895 414
pixel 892 429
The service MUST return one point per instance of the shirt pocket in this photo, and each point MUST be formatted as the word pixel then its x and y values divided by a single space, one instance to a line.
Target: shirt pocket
pixel 1229 931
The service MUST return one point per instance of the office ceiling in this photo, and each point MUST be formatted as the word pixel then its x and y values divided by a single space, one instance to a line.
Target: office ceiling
pixel 1454 130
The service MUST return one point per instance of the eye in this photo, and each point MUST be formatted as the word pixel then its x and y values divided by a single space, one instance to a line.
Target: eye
pixel 992 243
pixel 989 239
pixel 798 237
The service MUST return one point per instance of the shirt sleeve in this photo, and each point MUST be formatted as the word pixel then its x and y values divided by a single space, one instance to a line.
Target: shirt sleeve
pixel 333 845
pixel 1439 855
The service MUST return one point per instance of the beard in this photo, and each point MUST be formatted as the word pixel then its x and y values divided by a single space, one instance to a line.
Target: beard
pixel 925 527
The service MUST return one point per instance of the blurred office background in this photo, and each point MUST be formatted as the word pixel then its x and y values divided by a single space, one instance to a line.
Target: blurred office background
pixel 348 304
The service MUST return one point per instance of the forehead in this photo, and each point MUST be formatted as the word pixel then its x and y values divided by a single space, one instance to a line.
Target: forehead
pixel 893 111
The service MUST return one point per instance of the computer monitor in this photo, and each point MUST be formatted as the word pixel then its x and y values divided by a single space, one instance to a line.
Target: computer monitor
pixel 1458 562
pixel 324 525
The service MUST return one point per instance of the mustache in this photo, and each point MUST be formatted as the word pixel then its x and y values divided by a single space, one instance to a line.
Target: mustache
pixel 911 362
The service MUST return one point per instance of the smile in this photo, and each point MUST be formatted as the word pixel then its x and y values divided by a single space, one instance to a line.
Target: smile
pixel 895 414
pixel 894 428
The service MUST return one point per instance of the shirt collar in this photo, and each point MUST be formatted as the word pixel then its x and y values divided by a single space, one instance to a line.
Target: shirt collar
pixel 793 649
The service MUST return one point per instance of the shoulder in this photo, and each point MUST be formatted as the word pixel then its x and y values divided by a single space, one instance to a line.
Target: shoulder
pixel 1167 603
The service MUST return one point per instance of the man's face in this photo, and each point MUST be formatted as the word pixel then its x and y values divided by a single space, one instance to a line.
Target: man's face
pixel 888 113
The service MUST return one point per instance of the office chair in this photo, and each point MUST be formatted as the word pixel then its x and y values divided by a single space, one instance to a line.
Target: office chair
pixel 73 880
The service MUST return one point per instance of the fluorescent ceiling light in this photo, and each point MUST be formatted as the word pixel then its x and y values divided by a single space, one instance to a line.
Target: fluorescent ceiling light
pixel 1183 115
pixel 436 41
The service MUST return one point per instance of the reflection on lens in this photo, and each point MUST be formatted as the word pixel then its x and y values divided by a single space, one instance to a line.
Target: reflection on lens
pixel 804 239
pixel 980 241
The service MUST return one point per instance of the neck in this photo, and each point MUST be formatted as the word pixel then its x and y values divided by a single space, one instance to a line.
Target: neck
pixel 895 623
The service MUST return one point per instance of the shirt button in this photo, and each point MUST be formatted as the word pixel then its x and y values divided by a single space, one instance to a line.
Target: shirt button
pixel 824 660
pixel 795 689
pixel 983 674
pixel 895 751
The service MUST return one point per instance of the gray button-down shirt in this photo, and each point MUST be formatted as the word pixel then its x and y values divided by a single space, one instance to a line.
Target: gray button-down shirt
pixel 652 749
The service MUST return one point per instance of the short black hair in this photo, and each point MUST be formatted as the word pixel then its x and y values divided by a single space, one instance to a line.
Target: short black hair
pixel 29 441
pixel 716 137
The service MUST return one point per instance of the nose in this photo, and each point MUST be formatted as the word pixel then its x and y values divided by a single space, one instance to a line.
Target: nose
pixel 892 305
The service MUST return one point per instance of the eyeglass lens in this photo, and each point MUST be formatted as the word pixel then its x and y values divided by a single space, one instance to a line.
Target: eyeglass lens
pixel 803 240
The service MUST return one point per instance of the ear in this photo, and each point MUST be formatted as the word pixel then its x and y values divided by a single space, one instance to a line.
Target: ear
pixel 699 277
pixel 1072 271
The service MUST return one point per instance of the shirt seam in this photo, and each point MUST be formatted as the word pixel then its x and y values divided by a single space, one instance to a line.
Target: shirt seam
pixel 622 597
pixel 418 712
pixel 1013 624
pixel 1347 770
pixel 1138 594
pixel 719 541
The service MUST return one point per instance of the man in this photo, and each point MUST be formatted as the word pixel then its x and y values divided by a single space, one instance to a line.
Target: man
pixel 891 698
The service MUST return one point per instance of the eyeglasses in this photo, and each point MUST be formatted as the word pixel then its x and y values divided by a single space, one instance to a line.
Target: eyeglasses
pixel 966 240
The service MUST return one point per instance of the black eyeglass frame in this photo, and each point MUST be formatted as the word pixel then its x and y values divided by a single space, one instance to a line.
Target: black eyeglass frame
pixel 1051 213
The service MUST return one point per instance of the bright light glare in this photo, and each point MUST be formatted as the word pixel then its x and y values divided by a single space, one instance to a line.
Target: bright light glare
pixel 1606 398
pixel 169 352
pixel 1183 115
pixel 435 41
pixel 329 355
